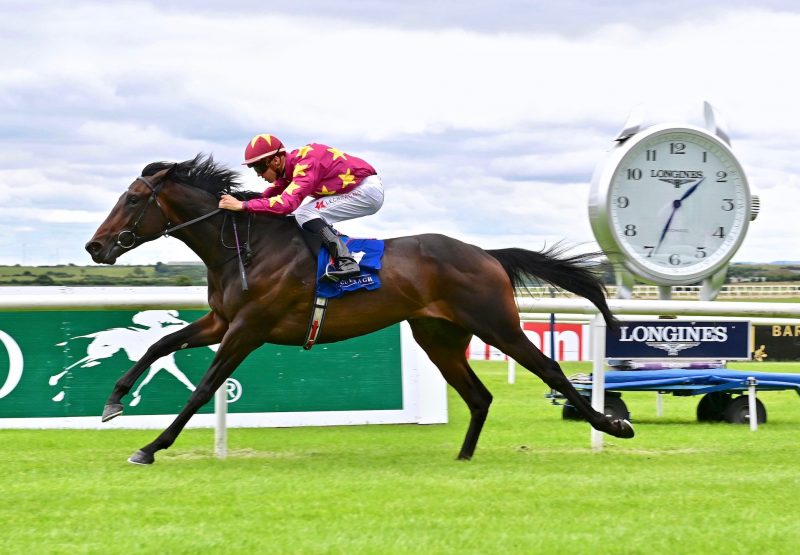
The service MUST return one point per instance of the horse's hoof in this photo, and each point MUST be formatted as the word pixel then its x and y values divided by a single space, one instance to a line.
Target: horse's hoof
pixel 112 410
pixel 623 429
pixel 142 457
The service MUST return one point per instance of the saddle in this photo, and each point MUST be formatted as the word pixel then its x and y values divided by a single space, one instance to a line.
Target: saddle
pixel 367 252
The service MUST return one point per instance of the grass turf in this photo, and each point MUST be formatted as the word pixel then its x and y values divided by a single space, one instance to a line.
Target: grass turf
pixel 533 486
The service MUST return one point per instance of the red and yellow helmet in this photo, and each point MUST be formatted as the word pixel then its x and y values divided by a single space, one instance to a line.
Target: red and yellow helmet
pixel 260 147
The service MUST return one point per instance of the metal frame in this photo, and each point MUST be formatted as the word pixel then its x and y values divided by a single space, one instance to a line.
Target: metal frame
pixel 597 328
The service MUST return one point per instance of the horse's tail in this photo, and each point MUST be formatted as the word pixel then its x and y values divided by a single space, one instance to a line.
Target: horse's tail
pixel 577 273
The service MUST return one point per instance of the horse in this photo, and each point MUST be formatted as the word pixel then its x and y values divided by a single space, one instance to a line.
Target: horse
pixel 447 291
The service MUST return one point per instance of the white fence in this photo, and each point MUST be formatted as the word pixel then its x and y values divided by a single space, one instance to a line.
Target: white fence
pixel 33 298
pixel 688 292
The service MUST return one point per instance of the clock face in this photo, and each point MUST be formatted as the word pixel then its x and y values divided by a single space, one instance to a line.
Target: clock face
pixel 678 204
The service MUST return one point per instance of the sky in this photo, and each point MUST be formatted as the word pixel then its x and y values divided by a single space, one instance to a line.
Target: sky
pixel 485 120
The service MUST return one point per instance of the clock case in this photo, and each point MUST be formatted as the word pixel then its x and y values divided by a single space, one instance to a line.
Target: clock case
pixel 627 269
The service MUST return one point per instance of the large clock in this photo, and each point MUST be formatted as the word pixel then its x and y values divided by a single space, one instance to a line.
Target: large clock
pixel 671 204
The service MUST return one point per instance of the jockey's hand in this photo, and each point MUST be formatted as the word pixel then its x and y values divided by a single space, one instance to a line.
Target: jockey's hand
pixel 228 202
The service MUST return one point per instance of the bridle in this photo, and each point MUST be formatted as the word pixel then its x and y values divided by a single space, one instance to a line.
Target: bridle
pixel 127 238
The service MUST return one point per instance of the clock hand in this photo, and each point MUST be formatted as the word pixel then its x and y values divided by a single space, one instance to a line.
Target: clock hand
pixel 675 205
pixel 691 190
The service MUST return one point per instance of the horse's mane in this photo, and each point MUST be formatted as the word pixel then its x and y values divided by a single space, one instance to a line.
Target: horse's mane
pixel 204 173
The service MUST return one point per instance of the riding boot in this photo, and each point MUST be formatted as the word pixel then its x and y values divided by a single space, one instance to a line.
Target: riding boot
pixel 344 265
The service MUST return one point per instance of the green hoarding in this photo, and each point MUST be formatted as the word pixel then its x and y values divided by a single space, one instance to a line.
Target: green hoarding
pixel 64 363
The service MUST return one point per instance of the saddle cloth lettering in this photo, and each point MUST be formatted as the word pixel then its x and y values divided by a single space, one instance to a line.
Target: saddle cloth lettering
pixel 368 254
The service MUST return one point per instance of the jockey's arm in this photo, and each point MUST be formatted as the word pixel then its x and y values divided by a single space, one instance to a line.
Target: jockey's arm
pixel 288 198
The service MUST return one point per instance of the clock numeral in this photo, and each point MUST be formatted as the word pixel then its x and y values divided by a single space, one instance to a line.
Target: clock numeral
pixel 630 230
pixel 634 173
pixel 720 232
pixel 728 205
pixel 677 148
pixel 650 250
pixel 623 202
pixel 651 155
pixel 722 177
pixel 674 259
pixel 705 157
pixel 700 253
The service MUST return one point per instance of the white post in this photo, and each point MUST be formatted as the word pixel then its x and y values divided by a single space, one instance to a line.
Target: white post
pixel 598 338
pixel 659 404
pixel 512 370
pixel 221 428
pixel 751 394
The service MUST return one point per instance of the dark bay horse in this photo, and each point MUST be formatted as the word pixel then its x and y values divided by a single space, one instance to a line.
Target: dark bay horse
pixel 447 290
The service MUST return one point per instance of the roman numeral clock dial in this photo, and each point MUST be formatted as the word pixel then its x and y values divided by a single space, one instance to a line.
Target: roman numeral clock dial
pixel 671 204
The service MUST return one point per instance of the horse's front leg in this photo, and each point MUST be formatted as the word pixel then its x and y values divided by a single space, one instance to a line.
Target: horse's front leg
pixel 207 330
pixel 233 350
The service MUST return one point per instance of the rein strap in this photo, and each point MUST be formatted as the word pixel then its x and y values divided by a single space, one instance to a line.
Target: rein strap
pixel 173 229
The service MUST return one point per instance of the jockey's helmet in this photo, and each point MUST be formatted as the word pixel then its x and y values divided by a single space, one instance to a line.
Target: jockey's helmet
pixel 260 147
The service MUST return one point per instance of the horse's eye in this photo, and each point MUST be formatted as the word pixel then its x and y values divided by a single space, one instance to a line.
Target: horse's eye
pixel 133 200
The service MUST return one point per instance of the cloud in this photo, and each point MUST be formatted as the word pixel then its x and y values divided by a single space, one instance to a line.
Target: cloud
pixel 483 127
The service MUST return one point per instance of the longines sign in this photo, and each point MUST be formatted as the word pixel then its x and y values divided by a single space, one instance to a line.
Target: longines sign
pixel 675 339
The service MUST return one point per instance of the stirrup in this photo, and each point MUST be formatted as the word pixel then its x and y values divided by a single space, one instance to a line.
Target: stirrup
pixel 343 268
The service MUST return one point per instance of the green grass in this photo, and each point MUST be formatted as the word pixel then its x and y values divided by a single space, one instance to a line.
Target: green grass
pixel 103 275
pixel 534 485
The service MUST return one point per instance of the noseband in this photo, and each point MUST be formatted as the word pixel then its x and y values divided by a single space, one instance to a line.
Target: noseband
pixel 127 238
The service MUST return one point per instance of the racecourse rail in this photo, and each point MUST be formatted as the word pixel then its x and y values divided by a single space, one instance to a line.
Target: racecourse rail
pixel 107 298
pixel 730 291
pixel 49 298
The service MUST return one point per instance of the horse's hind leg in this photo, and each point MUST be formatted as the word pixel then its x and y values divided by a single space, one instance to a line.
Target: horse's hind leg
pixel 205 331
pixel 446 344
pixel 514 343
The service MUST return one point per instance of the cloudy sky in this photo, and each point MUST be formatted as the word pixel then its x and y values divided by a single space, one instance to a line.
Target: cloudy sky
pixel 485 119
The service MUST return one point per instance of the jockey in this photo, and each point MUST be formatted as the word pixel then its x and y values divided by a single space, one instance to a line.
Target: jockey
pixel 336 187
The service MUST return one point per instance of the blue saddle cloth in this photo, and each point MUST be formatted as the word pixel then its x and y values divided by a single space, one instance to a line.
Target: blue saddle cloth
pixel 368 254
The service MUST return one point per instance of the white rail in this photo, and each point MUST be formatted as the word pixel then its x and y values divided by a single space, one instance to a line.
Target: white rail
pixel 730 291
pixel 48 298
pixel 105 298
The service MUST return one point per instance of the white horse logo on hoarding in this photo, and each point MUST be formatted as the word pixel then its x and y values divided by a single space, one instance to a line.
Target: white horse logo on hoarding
pixel 152 325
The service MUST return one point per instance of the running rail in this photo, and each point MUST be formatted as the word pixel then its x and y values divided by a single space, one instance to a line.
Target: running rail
pixel 106 298
pixel 48 298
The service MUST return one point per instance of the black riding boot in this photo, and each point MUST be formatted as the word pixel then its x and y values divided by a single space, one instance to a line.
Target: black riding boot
pixel 344 265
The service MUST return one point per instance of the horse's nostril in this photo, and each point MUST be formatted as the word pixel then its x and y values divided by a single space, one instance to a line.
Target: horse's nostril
pixel 93 247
